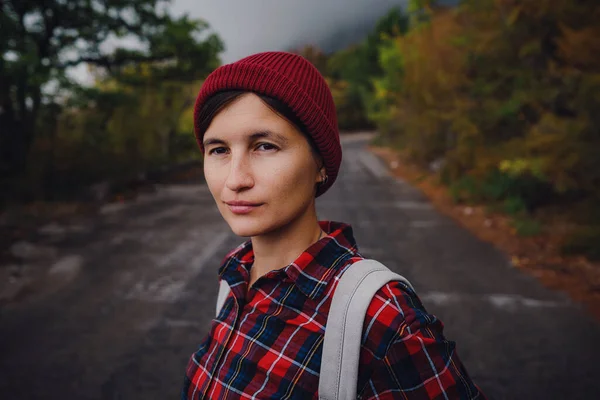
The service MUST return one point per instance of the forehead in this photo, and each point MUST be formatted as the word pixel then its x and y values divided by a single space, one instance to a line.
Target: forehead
pixel 244 116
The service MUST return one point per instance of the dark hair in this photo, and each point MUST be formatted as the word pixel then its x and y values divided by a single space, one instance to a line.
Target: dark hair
pixel 214 104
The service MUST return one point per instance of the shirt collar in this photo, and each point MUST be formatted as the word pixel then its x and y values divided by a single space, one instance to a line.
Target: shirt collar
pixel 313 270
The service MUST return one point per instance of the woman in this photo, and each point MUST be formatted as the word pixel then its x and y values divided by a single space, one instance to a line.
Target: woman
pixel 268 130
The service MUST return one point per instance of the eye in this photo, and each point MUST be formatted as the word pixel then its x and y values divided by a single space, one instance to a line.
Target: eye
pixel 266 147
pixel 218 151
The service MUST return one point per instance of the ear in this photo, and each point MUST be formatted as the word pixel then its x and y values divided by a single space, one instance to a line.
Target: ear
pixel 321 175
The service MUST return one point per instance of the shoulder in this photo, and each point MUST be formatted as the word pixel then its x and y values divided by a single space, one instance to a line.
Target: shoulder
pixel 404 351
pixel 395 314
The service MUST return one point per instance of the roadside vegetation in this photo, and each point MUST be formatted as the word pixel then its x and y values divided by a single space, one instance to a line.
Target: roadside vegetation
pixel 493 101
pixel 497 99
pixel 58 136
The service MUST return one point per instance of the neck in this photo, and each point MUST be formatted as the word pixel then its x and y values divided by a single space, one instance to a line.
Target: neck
pixel 279 248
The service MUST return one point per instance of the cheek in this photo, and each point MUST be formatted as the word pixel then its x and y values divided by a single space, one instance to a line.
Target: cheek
pixel 213 179
pixel 291 177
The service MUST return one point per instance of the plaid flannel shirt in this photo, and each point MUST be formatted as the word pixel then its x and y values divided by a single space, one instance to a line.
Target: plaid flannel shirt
pixel 267 341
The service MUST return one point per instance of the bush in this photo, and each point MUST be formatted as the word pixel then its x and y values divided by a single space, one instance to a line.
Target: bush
pixel 514 206
pixel 526 226
pixel 497 186
pixel 464 189
pixel 584 241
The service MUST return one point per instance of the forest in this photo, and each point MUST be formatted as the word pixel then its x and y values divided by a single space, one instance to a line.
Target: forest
pixel 498 98
pixel 59 136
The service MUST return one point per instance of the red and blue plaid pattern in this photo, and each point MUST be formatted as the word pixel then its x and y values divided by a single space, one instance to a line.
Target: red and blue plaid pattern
pixel 267 341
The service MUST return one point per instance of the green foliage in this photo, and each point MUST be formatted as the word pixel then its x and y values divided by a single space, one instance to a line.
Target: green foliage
pixel 138 131
pixel 420 11
pixel 499 186
pixel 464 189
pixel 505 93
pixel 357 68
pixel 514 206
pixel 386 87
pixel 127 122
pixel 315 55
pixel 517 194
pixel 521 167
pixel 526 226
pixel 585 240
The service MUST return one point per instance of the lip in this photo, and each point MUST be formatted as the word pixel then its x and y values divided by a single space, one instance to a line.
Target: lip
pixel 242 207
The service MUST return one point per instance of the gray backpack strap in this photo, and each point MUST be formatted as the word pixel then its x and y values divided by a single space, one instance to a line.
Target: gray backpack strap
pixel 343 332
pixel 223 293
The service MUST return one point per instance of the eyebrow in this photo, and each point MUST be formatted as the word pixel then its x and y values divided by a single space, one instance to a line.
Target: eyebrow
pixel 263 134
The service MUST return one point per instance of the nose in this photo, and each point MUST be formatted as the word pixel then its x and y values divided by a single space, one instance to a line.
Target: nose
pixel 240 174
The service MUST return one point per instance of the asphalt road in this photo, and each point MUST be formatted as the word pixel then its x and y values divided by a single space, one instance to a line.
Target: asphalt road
pixel 128 295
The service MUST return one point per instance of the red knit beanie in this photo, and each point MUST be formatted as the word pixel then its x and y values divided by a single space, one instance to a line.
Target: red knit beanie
pixel 292 80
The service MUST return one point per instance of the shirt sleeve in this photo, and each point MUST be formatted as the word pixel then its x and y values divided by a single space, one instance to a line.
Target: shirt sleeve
pixel 404 354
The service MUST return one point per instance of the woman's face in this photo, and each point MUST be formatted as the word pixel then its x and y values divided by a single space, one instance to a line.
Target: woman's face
pixel 259 168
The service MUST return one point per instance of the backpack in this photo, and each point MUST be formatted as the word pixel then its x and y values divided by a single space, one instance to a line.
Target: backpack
pixel 343 334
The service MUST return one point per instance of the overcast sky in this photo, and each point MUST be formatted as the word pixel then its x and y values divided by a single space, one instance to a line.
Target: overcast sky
pixel 250 26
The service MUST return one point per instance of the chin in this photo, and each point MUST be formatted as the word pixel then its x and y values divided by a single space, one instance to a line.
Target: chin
pixel 252 227
pixel 247 227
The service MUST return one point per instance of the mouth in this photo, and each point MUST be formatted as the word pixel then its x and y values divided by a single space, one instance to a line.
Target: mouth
pixel 242 207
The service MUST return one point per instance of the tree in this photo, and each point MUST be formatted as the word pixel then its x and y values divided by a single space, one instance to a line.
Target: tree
pixel 359 65
pixel 42 38
pixel 315 55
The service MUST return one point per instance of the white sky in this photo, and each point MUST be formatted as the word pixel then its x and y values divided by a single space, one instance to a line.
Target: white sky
pixel 249 26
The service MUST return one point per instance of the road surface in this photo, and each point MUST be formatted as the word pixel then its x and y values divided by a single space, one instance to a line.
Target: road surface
pixel 129 294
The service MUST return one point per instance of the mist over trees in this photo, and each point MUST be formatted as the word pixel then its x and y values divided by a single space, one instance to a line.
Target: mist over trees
pixel 502 95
